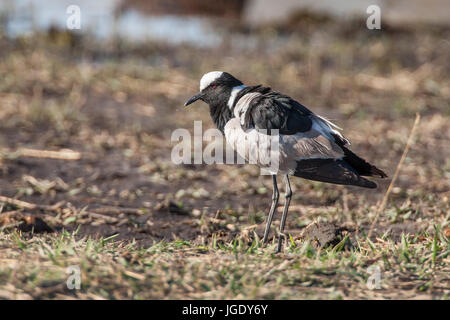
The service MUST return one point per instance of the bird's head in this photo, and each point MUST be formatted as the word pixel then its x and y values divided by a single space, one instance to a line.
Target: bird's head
pixel 215 88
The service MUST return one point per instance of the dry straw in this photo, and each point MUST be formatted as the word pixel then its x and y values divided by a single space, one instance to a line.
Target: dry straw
pixel 394 178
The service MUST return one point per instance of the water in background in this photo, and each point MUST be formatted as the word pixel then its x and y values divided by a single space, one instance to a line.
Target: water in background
pixel 22 17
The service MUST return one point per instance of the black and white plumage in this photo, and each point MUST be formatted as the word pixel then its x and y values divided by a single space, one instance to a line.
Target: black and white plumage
pixel 310 146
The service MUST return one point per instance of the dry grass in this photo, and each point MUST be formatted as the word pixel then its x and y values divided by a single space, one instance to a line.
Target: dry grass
pixel 184 270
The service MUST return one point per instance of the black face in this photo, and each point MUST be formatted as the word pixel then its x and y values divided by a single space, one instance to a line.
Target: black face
pixel 218 92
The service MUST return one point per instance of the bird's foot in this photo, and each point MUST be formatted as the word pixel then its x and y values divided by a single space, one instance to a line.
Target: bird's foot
pixel 280 245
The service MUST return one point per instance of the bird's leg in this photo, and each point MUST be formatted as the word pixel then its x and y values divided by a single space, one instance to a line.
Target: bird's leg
pixel 288 195
pixel 275 197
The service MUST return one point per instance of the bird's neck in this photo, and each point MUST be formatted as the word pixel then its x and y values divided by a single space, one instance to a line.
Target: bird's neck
pixel 220 114
pixel 222 110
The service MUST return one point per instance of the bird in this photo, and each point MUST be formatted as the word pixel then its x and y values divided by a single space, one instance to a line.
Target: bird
pixel 309 146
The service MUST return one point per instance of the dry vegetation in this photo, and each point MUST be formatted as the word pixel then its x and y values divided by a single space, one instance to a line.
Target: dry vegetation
pixel 85 151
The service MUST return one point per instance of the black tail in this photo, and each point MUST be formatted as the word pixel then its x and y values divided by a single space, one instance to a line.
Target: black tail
pixel 335 171
pixel 361 166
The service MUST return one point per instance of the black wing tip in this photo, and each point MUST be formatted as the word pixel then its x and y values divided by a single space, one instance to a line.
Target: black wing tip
pixel 334 171
pixel 361 166
pixel 378 172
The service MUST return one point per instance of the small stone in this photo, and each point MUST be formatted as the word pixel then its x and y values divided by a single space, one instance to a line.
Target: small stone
pixel 196 213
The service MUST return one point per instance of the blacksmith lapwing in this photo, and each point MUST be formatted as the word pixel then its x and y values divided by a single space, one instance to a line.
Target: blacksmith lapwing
pixel 309 146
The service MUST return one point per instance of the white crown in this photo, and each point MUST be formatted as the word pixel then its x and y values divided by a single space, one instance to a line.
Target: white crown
pixel 208 78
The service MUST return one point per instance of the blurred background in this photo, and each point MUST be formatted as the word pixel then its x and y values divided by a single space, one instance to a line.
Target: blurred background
pixel 87 114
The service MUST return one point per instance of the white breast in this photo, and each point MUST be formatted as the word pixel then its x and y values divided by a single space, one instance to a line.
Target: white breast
pixel 255 147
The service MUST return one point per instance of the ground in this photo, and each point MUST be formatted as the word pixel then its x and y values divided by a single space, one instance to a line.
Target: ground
pixel 139 226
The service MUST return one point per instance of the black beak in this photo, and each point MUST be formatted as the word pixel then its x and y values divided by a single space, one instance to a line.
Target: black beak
pixel 194 98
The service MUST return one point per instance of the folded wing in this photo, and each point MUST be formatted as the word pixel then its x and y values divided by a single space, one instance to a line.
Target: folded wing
pixel 312 146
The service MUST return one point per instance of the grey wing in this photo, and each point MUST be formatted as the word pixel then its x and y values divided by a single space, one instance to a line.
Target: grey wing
pixel 311 147
pixel 303 134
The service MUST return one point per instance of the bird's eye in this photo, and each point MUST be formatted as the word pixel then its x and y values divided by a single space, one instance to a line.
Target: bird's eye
pixel 214 86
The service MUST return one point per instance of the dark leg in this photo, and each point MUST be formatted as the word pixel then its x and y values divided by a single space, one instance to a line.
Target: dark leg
pixel 275 196
pixel 288 196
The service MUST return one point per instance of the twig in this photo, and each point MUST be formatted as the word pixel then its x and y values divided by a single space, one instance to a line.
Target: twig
pixel 64 154
pixel 18 203
pixel 29 205
pixel 56 206
pixel 118 210
pixel 102 216
pixel 394 178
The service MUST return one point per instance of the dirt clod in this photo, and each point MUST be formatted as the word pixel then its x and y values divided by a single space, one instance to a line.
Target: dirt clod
pixel 322 234
pixel 35 224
